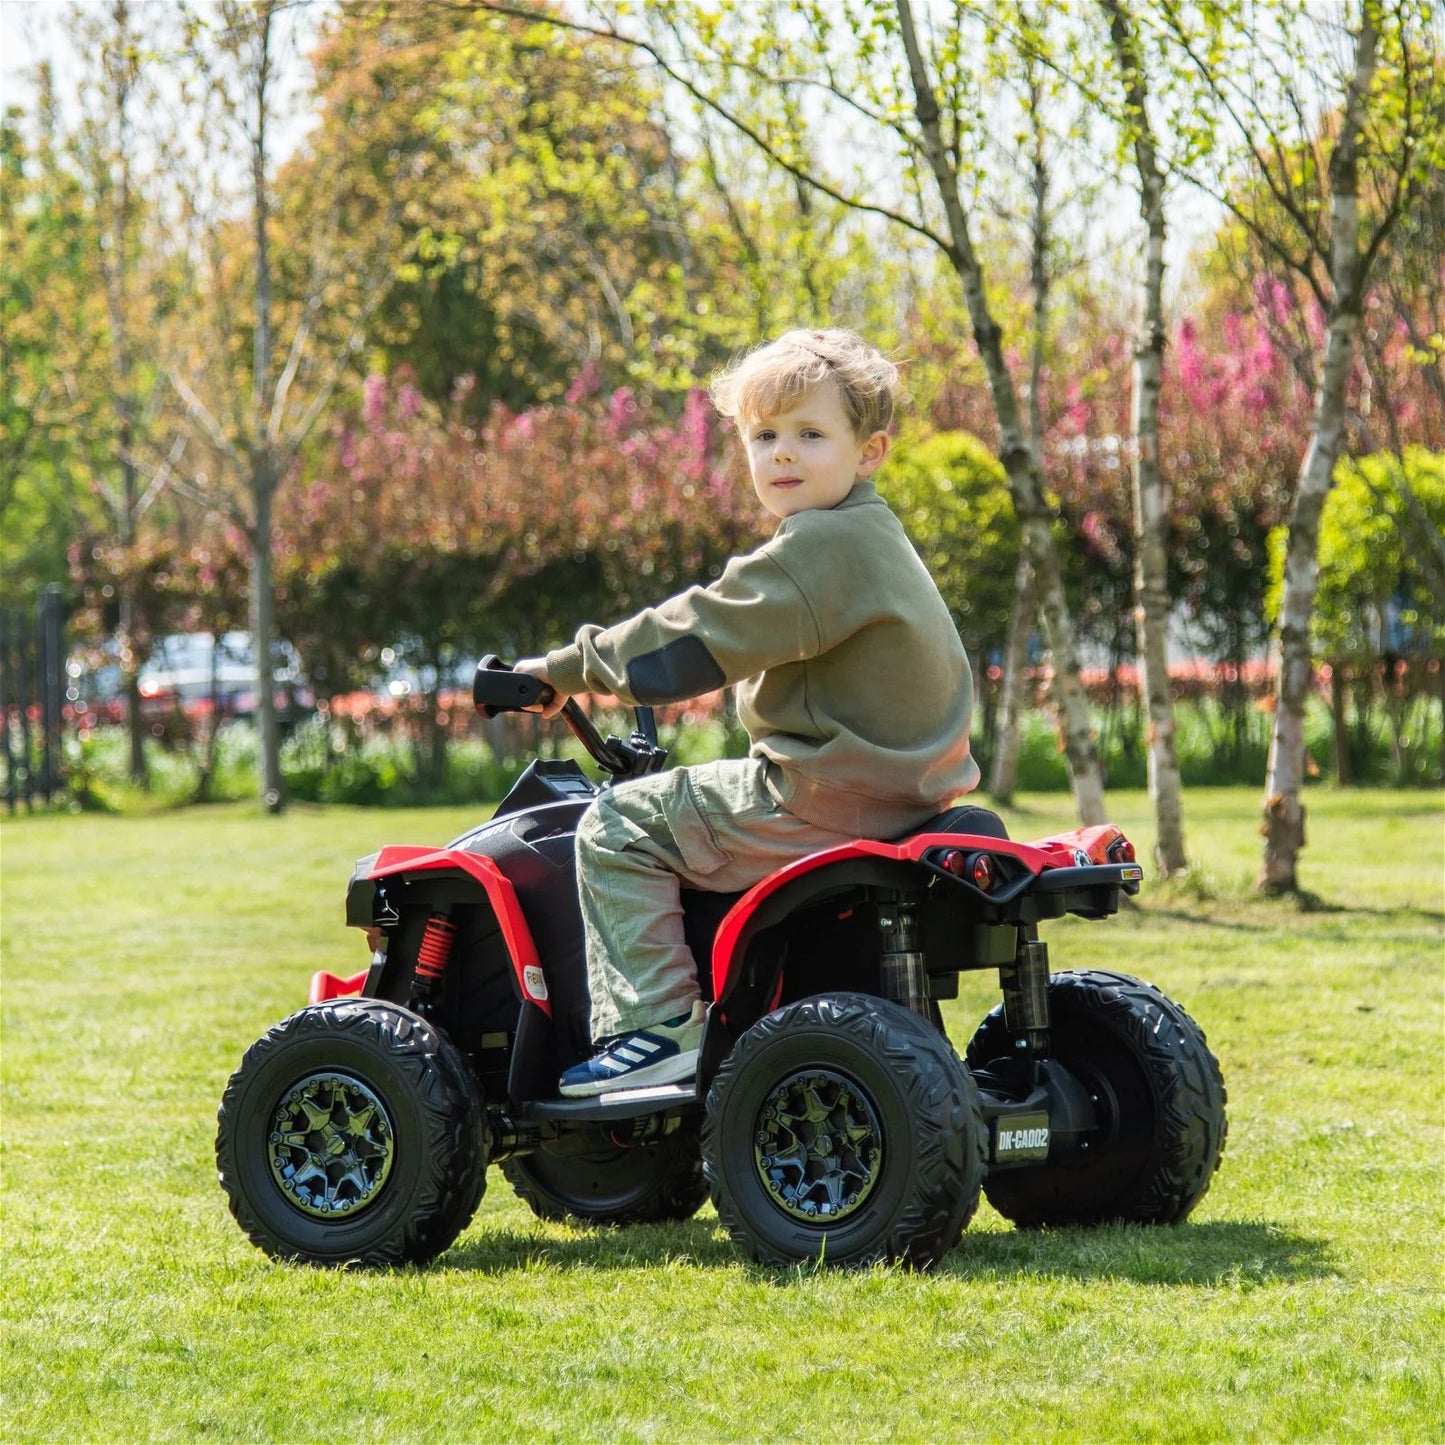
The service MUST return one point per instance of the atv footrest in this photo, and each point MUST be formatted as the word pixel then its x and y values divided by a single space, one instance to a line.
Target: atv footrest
pixel 620 1104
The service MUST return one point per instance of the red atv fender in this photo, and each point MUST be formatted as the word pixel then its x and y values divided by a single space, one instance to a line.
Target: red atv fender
pixel 790 885
pixel 402 858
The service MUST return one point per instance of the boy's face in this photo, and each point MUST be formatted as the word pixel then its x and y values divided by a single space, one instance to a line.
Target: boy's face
pixel 808 457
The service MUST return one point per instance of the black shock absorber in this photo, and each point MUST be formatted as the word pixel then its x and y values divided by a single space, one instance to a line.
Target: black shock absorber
pixel 1025 985
pixel 902 972
pixel 432 955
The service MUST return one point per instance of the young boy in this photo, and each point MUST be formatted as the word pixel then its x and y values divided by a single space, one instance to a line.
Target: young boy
pixel 851 682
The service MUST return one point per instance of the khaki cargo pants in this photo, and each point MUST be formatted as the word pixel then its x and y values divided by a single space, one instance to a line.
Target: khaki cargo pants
pixel 713 827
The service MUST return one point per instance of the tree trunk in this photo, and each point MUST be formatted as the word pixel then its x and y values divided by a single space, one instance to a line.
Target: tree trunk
pixel 1019 466
pixel 119 69
pixel 1151 493
pixel 130 678
pixel 1339 696
pixel 1003 775
pixel 1068 687
pixel 206 775
pixel 263 628
pixel 1284 812
pixel 264 474
pixel 1440 679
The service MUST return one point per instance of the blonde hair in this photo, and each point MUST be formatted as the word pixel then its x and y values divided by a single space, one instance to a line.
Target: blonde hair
pixel 773 377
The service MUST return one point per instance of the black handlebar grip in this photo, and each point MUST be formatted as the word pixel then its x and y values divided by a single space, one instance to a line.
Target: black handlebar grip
pixel 496 688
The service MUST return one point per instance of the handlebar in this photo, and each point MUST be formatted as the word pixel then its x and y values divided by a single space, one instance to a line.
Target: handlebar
pixel 496 688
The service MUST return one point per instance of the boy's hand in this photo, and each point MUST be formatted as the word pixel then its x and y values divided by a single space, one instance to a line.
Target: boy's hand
pixel 537 667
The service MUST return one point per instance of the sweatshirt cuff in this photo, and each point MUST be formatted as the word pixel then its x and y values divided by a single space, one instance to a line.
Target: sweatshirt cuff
pixel 564 667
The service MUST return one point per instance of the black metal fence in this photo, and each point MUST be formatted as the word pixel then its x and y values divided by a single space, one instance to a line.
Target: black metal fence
pixel 32 699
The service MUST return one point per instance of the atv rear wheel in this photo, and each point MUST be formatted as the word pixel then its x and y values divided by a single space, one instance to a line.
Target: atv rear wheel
pixel 844 1128
pixel 352 1133
pixel 1158 1093
pixel 591 1178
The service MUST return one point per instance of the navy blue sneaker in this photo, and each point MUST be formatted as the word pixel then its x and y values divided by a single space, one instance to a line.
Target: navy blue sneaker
pixel 665 1053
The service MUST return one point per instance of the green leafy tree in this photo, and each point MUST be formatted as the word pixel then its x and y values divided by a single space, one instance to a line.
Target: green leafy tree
pixel 1379 620
pixel 50 318
pixel 91 310
pixel 541 203
pixel 283 301
pixel 952 497
pixel 1322 199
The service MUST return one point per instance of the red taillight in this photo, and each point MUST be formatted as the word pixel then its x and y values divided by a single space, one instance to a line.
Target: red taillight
pixel 954 862
pixel 983 872
pixel 1121 850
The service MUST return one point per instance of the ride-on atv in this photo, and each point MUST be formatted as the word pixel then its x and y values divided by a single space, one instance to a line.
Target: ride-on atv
pixel 830 1117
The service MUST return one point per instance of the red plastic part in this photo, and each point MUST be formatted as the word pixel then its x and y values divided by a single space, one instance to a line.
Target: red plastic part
pixel 326 985
pixel 1053 852
pixel 501 895
pixel 1094 842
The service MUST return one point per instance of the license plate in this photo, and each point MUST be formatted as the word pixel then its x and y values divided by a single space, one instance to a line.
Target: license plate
pixel 1021 1136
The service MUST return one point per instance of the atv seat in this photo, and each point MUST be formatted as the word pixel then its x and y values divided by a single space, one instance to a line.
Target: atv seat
pixel 967 818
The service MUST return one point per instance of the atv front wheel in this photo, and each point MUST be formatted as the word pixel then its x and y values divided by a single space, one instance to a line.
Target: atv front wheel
pixel 588 1177
pixel 1158 1093
pixel 844 1128
pixel 352 1133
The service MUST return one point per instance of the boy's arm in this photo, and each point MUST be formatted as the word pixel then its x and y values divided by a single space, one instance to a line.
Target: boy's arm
pixel 752 618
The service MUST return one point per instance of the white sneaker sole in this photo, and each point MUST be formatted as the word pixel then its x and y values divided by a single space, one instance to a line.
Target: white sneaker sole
pixel 679 1069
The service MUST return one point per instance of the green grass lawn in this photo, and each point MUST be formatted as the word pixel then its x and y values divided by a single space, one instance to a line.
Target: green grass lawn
pixel 1302 1300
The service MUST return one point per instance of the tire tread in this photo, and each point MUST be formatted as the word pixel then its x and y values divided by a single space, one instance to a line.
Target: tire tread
pixel 453 1176
pixel 950 1165
pixel 1183 1076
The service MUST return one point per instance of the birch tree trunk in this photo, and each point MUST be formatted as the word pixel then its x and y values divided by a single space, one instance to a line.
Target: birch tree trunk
pixel 1284 812
pixel 114 147
pixel 1151 492
pixel 1003 772
pixel 264 471
pixel 1015 453
pixel 263 631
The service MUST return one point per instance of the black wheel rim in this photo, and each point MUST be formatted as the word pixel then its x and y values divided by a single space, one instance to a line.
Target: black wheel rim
pixel 818 1146
pixel 331 1145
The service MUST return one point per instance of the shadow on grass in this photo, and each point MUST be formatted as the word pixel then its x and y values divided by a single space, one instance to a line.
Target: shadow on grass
pixel 1145 914
pixel 1243 1255
pixel 695 1242
pixel 1271 910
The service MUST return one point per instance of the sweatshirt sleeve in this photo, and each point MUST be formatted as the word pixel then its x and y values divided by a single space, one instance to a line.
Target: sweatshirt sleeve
pixel 752 618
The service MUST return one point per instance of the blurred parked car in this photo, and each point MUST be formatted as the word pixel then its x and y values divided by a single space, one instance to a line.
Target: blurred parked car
pixel 398 690
pixel 187 675
pixel 192 672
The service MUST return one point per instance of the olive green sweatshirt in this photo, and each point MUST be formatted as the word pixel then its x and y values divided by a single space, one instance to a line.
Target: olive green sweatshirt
pixel 851 679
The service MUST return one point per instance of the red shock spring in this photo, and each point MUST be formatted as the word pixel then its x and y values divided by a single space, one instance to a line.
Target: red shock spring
pixel 436 948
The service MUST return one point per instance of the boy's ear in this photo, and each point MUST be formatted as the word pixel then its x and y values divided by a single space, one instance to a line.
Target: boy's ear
pixel 874 450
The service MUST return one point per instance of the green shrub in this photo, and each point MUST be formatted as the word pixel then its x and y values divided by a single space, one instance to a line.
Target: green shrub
pixel 321 764
pixel 951 495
